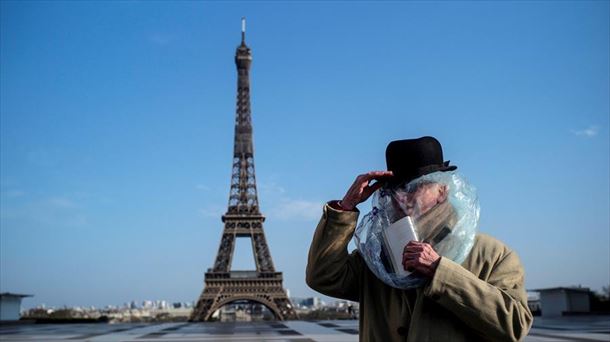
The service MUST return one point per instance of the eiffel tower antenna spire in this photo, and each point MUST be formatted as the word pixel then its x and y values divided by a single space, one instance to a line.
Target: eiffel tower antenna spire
pixel 243 220
pixel 243 30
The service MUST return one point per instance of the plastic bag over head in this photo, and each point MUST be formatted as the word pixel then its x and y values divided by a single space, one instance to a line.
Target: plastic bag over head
pixel 440 208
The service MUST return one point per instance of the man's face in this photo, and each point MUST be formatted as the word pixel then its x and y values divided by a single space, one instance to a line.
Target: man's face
pixel 421 197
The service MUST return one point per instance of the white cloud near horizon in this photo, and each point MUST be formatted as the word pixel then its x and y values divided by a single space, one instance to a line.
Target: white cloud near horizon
pixel 296 209
pixel 14 193
pixel 62 202
pixel 270 188
pixel 213 211
pixel 588 132
pixel 283 209
pixel 202 187
pixel 55 211
pixel 277 204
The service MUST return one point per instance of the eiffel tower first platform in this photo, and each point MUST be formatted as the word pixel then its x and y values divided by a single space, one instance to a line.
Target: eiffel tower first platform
pixel 243 219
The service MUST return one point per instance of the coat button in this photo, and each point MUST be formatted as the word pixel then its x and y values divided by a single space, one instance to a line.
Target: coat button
pixel 402 331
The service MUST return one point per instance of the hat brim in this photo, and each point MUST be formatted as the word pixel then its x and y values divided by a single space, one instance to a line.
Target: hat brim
pixel 399 179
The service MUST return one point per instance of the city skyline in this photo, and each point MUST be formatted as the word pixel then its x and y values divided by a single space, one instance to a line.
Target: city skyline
pixel 117 132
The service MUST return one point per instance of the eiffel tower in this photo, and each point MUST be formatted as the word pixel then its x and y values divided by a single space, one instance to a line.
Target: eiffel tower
pixel 243 219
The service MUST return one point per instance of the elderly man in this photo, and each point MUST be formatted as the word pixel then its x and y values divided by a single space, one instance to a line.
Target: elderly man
pixel 481 299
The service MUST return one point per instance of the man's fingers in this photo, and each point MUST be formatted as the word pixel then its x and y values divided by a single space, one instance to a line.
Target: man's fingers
pixel 377 174
pixel 413 249
pixel 416 265
pixel 368 191
pixel 416 246
pixel 360 190
pixel 410 265
pixel 417 256
pixel 407 247
pixel 418 243
pixel 409 256
pixel 362 181
pixel 376 186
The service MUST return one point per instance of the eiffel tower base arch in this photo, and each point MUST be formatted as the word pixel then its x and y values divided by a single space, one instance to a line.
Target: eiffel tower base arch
pixel 223 289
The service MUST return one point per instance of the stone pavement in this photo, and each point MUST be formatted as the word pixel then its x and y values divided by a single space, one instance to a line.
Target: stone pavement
pixel 571 328
pixel 561 329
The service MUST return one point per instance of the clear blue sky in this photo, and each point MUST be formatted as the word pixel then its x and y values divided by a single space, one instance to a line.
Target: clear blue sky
pixel 117 131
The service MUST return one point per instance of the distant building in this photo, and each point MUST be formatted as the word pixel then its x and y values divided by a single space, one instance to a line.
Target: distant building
pixel 311 302
pixel 10 306
pixel 533 303
pixel 560 301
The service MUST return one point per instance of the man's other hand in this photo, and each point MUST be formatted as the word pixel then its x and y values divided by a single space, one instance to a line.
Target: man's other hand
pixel 421 257
pixel 362 188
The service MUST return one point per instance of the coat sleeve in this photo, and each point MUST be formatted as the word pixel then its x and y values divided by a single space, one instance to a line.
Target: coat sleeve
pixel 497 308
pixel 330 269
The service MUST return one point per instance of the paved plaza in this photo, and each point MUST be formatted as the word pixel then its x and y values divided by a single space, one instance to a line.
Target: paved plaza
pixel 562 329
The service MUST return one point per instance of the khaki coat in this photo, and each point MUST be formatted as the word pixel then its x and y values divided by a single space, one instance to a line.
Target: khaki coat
pixel 482 299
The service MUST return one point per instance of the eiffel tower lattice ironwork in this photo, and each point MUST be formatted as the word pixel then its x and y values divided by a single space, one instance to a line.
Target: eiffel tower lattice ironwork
pixel 243 219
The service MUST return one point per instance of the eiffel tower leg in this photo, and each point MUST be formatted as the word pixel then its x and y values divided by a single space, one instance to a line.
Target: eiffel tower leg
pixel 285 307
pixel 261 252
pixel 202 311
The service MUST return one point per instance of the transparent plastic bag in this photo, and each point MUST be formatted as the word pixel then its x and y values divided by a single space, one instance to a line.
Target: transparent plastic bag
pixel 441 208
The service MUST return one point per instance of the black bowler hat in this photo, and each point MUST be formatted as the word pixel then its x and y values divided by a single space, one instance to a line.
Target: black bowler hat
pixel 412 158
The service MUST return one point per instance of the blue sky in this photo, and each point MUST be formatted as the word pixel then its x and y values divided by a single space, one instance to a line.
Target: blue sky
pixel 117 131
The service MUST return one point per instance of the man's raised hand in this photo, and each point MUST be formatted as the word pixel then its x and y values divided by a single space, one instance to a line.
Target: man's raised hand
pixel 362 188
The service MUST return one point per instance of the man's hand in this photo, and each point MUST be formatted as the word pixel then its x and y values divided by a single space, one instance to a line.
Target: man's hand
pixel 421 257
pixel 361 190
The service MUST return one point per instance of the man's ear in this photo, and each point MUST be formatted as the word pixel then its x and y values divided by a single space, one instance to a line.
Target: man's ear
pixel 443 192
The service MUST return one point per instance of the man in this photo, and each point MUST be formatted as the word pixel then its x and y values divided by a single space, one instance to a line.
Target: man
pixel 482 299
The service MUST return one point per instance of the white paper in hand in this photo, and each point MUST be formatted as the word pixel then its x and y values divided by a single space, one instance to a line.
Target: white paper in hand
pixel 396 237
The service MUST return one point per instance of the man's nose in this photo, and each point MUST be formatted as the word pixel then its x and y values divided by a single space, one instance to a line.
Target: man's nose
pixel 410 200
